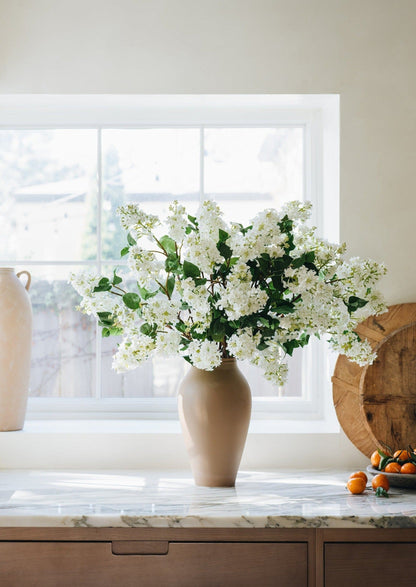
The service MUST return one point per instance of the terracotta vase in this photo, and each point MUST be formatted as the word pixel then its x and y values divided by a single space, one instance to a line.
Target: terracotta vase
pixel 214 411
pixel 15 348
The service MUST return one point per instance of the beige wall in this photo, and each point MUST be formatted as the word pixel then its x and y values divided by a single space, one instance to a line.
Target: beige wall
pixel 362 49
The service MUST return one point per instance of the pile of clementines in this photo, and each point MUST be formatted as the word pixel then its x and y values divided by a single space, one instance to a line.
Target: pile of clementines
pixel 402 461
pixel 357 483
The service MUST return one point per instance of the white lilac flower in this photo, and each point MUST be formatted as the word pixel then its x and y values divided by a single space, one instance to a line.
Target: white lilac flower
pixel 84 282
pixel 265 236
pixel 167 343
pixel 160 310
pixel 134 219
pixel 177 221
pixel 240 298
pixel 102 301
pixel 202 252
pixel 199 306
pixel 243 344
pixel 210 220
pixel 132 352
pixel 144 265
pixel 297 211
pixel 204 354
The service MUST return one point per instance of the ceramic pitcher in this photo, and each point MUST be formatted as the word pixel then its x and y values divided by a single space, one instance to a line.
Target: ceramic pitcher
pixel 15 348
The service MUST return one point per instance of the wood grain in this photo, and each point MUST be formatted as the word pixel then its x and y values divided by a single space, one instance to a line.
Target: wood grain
pixel 372 565
pixel 366 423
pixel 187 564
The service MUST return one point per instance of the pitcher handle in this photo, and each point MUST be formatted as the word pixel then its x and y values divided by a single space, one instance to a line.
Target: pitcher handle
pixel 29 278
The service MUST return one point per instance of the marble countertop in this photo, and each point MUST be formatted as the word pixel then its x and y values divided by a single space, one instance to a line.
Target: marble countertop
pixel 285 499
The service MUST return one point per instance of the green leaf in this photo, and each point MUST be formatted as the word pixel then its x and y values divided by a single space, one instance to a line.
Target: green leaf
pixel 104 315
pixel 146 329
pixel 381 492
pixel 146 294
pixel 116 278
pixel 103 285
pixel 132 300
pixel 354 303
pixel 124 251
pixel 168 244
pixel 170 285
pixel 172 263
pixel 290 346
pixel 262 345
pixel 223 235
pixel 131 240
pixel 385 461
pixel 181 326
pixel 105 332
pixel 224 250
pixel 200 281
pixel 217 330
pixel 192 219
pixel 283 308
pixel 190 270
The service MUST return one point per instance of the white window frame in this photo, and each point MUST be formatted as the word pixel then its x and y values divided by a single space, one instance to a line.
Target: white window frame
pixel 318 114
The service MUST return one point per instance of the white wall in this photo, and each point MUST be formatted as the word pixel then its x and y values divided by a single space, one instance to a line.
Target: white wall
pixel 362 49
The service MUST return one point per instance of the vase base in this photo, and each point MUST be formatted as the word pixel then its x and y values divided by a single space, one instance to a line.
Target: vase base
pixel 214 481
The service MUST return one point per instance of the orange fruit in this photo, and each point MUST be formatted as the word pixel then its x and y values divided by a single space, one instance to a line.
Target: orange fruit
pixel 356 485
pixel 393 468
pixel 408 468
pixel 375 459
pixel 380 481
pixel 402 455
pixel 360 474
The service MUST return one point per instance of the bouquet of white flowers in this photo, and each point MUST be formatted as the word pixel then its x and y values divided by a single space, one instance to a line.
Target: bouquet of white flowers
pixel 209 290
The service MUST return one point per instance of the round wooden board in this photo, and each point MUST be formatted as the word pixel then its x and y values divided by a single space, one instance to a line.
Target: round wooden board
pixel 357 391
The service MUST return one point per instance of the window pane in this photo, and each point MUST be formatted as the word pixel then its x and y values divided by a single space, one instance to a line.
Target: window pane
pixel 157 377
pixel 63 351
pixel 249 169
pixel 47 192
pixel 260 387
pixel 151 166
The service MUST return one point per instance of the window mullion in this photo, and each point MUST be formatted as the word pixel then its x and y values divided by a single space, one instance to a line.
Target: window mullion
pixel 201 162
pixel 98 356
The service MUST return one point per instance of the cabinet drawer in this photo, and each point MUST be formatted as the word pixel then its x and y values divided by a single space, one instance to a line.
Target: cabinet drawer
pixel 370 564
pixel 177 564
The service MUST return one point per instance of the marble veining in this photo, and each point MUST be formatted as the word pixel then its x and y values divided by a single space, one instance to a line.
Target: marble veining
pixel 138 499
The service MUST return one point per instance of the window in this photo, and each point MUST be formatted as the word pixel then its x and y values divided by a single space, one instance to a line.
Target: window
pixel 67 162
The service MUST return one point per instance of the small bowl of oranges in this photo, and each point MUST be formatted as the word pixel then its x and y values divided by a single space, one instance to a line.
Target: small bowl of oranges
pixel 399 467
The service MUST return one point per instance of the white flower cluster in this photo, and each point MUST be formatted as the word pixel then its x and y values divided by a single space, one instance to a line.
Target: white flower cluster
pixel 265 236
pixel 144 265
pixel 136 220
pixel 212 290
pixel 132 351
pixel 240 298
pixel 204 354
pixel 197 299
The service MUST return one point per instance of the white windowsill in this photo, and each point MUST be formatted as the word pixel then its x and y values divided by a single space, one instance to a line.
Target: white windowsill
pixel 168 427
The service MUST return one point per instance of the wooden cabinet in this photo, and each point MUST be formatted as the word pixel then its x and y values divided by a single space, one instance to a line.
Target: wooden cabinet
pixel 184 564
pixel 371 558
pixel 148 557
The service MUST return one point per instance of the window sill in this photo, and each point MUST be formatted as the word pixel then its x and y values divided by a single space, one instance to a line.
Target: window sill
pixel 135 444
pixel 152 427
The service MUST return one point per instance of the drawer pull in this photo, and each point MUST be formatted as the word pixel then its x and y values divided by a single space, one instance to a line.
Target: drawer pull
pixel 140 547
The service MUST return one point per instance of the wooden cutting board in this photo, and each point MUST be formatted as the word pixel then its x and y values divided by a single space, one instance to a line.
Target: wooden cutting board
pixel 376 405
